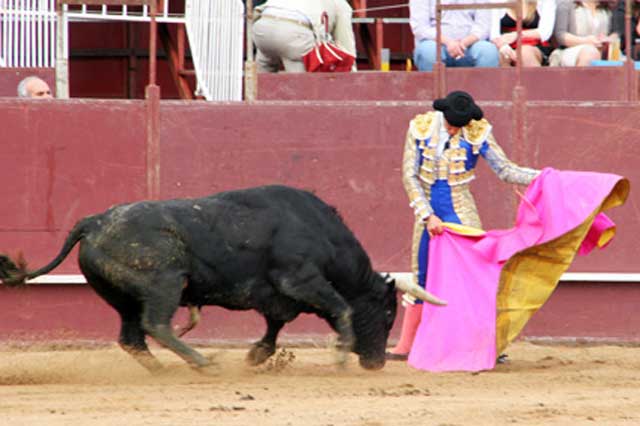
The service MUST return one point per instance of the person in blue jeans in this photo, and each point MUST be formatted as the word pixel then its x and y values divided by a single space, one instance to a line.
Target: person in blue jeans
pixel 464 35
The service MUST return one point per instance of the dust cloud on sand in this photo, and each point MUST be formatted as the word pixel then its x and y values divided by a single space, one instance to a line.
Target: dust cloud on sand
pixel 540 385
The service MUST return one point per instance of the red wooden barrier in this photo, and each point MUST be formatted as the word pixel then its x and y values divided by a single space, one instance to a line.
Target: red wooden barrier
pixel 64 160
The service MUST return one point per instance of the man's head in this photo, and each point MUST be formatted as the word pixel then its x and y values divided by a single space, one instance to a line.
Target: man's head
pixel 458 108
pixel 34 87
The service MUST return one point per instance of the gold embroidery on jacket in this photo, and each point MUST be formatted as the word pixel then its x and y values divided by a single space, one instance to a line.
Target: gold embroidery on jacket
pixel 422 125
pixel 476 132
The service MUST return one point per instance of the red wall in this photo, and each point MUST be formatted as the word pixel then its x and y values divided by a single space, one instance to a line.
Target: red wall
pixel 496 84
pixel 69 159
pixel 62 160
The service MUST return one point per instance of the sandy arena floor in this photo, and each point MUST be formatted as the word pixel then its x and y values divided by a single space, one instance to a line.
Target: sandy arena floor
pixel 541 385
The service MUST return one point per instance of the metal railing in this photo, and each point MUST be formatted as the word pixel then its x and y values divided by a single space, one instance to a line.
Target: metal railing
pixel 104 12
pixel 216 37
pixel 34 34
pixel 28 32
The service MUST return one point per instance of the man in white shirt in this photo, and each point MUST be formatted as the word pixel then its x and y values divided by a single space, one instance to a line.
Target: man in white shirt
pixel 287 29
pixel 464 35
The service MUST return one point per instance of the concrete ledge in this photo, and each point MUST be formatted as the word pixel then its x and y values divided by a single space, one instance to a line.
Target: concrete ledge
pixel 556 83
pixel 577 312
pixel 591 277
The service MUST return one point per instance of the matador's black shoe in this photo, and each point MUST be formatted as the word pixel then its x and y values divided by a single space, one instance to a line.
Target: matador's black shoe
pixel 389 356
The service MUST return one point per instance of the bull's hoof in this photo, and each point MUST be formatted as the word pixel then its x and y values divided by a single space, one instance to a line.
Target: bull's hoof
pixel 209 370
pixel 372 364
pixel 259 353
pixel 341 358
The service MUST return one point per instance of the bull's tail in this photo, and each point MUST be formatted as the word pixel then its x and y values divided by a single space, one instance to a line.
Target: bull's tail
pixel 15 273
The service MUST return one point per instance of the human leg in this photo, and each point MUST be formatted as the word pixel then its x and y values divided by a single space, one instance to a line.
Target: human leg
pixel 299 41
pixel 413 313
pixel 424 55
pixel 290 41
pixel 587 54
pixel 578 56
pixel 531 56
pixel 267 58
pixel 484 54
pixel 283 43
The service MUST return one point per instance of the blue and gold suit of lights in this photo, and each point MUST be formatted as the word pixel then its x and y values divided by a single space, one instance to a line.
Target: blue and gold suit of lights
pixel 439 184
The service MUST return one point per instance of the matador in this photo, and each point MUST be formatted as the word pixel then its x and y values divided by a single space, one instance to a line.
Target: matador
pixel 441 151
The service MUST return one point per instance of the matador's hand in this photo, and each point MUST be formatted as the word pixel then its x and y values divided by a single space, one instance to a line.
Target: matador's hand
pixel 434 225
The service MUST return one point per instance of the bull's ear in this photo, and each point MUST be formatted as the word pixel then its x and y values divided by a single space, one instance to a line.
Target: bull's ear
pixel 388 279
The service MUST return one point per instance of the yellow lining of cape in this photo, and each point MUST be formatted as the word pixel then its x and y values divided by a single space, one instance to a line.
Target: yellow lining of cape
pixel 529 277
pixel 464 230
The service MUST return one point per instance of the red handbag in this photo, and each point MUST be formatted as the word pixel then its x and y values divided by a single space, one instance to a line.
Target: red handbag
pixel 327 56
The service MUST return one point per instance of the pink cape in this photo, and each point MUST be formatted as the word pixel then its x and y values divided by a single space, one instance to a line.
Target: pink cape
pixel 466 270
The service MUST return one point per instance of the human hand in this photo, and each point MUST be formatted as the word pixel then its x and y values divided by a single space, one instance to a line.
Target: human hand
pixel 508 53
pixel 612 37
pixel 498 42
pixel 434 225
pixel 455 48
pixel 593 40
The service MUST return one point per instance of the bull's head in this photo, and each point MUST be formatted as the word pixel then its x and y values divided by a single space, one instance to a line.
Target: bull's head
pixel 373 316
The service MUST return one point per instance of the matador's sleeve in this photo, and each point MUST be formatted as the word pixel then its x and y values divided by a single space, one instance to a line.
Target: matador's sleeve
pixel 411 178
pixel 506 170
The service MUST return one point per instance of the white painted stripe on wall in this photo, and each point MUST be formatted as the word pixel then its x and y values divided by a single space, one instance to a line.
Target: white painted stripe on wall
pixel 622 277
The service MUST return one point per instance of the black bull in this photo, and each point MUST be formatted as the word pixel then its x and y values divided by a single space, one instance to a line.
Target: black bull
pixel 278 250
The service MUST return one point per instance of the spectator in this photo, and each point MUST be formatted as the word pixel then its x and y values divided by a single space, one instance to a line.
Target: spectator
pixel 537 27
pixel 618 25
pixel 464 35
pixel 34 87
pixel 582 28
pixel 441 151
pixel 287 29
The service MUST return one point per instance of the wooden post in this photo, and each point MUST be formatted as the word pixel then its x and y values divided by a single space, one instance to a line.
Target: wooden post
pixel 152 96
pixel 439 68
pixel 630 72
pixel 519 13
pixel 250 68
pixel 62 55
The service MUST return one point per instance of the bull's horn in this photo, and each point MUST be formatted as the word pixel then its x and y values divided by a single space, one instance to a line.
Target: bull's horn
pixel 419 293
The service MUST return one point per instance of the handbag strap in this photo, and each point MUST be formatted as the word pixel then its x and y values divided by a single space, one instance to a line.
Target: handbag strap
pixel 325 21
pixel 322 33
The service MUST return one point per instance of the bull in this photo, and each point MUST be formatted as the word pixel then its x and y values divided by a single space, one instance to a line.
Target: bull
pixel 274 249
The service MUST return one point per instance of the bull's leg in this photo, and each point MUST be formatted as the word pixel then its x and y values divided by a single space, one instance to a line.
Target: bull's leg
pixel 132 336
pixel 194 319
pixel 158 306
pixel 306 284
pixel 132 340
pixel 264 348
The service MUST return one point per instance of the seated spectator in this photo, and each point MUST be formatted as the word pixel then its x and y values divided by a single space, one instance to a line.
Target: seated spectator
pixel 537 27
pixel 287 29
pixel 618 25
pixel 34 87
pixel 582 29
pixel 464 35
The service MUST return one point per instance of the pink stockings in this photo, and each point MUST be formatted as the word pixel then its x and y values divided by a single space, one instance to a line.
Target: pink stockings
pixel 410 323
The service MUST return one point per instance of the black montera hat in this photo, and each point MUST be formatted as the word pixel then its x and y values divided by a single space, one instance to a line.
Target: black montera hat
pixel 458 108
